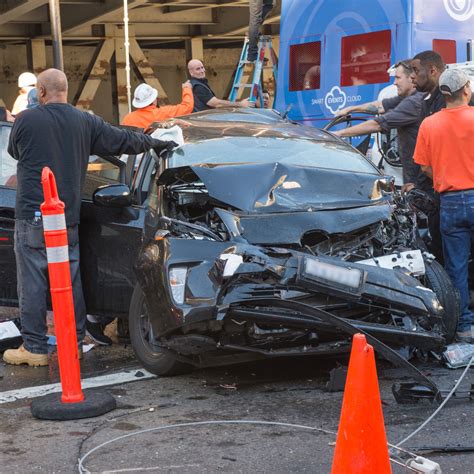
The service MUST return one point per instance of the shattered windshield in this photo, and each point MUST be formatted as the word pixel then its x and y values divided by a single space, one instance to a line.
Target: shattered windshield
pixel 298 152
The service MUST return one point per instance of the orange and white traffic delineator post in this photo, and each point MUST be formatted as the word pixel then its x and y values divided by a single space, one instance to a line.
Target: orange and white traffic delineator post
pixel 72 403
pixel 361 445
pixel 55 237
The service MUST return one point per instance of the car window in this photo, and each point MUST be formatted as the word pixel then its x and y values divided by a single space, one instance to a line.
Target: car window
pixel 7 163
pixel 300 152
pixel 100 172
pixel 143 179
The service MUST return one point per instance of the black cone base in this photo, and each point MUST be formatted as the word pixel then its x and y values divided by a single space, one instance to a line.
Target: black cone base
pixel 50 407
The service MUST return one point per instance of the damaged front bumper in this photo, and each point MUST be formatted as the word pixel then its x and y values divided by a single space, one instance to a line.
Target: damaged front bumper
pixel 250 284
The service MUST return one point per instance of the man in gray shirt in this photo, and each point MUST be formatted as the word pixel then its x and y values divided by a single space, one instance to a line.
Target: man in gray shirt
pixel 402 113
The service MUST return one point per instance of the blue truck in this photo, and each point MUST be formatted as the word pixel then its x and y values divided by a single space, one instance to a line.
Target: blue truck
pixel 335 53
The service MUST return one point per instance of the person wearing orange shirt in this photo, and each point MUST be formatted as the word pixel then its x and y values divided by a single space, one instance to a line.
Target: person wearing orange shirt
pixel 145 101
pixel 445 152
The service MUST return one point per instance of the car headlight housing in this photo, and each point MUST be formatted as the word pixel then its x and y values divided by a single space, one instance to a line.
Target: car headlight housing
pixel 177 280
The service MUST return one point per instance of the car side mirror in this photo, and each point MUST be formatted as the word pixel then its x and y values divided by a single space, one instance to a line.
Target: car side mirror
pixel 112 195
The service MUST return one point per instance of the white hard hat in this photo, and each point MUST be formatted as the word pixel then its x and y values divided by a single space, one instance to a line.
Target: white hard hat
pixel 26 79
pixel 144 95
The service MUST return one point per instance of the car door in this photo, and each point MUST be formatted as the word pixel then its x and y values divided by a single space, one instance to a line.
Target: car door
pixel 110 238
pixel 8 293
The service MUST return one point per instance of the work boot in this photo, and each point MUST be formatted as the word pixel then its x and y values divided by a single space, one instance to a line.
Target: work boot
pixel 24 356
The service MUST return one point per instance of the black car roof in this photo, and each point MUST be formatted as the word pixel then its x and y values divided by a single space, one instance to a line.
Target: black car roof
pixel 234 114
pixel 241 123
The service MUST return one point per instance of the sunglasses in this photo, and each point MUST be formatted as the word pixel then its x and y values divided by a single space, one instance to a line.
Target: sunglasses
pixel 405 65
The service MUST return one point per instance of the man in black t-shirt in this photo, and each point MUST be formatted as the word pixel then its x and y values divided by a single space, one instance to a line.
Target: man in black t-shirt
pixel 204 97
pixel 57 135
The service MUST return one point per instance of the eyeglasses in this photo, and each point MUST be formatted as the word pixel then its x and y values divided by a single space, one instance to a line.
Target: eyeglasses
pixel 405 65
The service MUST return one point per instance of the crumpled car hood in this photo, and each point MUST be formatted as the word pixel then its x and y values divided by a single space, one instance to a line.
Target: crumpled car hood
pixel 289 228
pixel 265 188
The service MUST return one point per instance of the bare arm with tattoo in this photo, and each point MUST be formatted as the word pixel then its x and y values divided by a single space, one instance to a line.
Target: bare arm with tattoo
pixel 374 107
pixel 362 129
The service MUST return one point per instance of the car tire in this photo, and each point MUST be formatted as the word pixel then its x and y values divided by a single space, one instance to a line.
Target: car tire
pixel 438 280
pixel 147 352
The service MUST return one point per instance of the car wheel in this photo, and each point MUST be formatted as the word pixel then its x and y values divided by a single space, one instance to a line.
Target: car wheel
pixel 144 344
pixel 438 280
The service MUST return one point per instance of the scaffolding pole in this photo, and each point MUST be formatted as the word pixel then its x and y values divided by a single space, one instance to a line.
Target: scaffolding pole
pixel 56 34
pixel 127 54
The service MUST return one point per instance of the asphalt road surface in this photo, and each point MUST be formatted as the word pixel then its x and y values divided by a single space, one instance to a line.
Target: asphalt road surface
pixel 289 391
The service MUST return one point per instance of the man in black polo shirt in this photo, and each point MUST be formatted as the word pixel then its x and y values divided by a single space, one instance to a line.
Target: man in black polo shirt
pixel 204 98
pixel 57 135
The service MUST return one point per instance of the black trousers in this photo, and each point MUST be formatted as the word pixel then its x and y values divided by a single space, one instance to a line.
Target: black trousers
pixel 434 222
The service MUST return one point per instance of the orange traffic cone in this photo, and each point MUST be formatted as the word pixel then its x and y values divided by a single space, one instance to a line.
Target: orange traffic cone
pixel 361 445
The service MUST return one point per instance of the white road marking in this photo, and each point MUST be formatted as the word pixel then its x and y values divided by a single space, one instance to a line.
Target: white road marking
pixel 93 382
pixel 154 468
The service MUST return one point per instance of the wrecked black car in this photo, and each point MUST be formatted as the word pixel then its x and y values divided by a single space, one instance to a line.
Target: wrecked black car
pixel 275 239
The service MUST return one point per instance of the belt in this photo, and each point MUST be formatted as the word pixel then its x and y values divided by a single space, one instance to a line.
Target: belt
pixel 470 190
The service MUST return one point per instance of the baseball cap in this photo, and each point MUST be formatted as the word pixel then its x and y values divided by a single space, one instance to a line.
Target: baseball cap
pixel 144 95
pixel 32 99
pixel 452 80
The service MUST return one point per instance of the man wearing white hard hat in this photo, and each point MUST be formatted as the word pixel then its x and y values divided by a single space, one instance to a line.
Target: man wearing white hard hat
pixel 26 82
pixel 145 100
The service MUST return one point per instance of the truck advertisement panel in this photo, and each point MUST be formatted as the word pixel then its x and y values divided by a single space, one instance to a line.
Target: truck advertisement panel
pixel 335 53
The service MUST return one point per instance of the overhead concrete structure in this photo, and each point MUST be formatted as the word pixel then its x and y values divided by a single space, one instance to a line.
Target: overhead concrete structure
pixel 164 34
pixel 85 19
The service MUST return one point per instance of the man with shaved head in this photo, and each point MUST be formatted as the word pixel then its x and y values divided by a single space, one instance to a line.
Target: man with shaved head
pixel 204 98
pixel 57 135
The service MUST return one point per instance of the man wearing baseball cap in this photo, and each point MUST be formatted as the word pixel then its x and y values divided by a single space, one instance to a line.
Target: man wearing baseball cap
pixel 445 152
pixel 145 100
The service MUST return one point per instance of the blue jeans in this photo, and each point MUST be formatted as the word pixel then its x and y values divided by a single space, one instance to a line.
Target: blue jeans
pixel 33 284
pixel 457 230
pixel 259 9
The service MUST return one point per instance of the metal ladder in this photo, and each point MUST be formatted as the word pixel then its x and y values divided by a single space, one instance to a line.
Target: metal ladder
pixel 244 70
